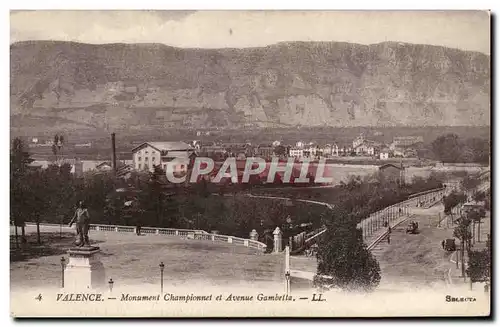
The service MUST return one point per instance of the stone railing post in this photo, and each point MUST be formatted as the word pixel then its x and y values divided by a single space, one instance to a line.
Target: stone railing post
pixel 277 240
pixel 254 236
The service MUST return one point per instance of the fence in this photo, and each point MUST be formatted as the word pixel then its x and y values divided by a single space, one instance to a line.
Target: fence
pixel 187 233
pixel 385 217
pixel 382 218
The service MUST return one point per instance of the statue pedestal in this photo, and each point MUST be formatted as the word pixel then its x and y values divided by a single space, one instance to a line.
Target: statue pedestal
pixel 84 269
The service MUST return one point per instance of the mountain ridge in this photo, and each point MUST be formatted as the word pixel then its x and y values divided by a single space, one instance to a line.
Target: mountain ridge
pixel 284 84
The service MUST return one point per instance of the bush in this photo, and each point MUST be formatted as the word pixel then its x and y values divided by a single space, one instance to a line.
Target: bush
pixel 343 255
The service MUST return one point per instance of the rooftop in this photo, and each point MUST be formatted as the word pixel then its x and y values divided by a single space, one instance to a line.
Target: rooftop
pixel 389 166
pixel 166 146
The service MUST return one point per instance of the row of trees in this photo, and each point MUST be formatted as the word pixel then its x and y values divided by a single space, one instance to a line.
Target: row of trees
pixel 50 195
pixel 450 148
pixel 479 261
pixel 479 265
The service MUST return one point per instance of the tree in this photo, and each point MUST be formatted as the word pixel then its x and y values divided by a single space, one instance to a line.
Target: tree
pixel 463 233
pixel 113 209
pixel 452 200
pixel 479 266
pixel 94 189
pixel 343 255
pixel 156 193
pixel 19 161
pixel 280 150
pixel 19 158
pixel 57 145
pixel 480 149
pixel 479 196
pixel 49 191
pixel 37 198
pixel 487 202
pixel 469 183
pixel 475 216
pixel 150 199
pixel 447 148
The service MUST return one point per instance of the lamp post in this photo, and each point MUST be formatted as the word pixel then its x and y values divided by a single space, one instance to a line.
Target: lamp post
pixel 162 267
pixel 110 283
pixel 60 227
pixel 63 262
pixel 287 279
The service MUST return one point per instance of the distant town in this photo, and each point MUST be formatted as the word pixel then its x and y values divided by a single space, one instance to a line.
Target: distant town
pixel 146 155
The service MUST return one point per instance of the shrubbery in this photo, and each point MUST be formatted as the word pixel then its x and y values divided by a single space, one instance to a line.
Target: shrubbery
pixel 345 258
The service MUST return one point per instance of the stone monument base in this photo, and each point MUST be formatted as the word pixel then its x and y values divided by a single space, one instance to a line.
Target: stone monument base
pixel 84 269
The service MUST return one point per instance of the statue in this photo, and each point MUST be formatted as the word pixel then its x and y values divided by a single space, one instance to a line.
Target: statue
pixel 82 218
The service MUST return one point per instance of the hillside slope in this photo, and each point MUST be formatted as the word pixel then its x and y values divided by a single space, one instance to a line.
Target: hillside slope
pixel 129 86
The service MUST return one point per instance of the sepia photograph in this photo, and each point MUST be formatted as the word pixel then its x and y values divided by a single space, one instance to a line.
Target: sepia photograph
pixel 260 163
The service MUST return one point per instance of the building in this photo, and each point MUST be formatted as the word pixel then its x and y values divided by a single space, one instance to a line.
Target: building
pixel 384 154
pixel 83 145
pixel 403 141
pixel 358 141
pixel 264 151
pixel 196 144
pixel 123 170
pixel 345 148
pixel 104 167
pixel 311 151
pixel 369 148
pixel 392 172
pixel 150 154
pixel 405 152
pixel 470 206
pixel 330 150
pixel 296 152
pixel 213 151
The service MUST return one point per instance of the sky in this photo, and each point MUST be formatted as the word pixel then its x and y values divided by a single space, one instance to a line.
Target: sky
pixel 466 30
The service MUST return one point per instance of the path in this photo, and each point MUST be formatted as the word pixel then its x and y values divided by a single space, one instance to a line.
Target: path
pixel 414 260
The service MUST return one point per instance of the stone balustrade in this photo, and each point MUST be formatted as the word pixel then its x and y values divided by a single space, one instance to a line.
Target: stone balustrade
pixel 187 233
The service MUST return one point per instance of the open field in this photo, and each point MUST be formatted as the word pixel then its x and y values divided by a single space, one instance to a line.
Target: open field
pixel 132 259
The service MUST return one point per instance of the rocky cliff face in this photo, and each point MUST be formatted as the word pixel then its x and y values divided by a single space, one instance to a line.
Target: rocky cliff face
pixel 287 84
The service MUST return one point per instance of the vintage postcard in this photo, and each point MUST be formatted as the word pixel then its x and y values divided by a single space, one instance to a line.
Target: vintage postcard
pixel 250 163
